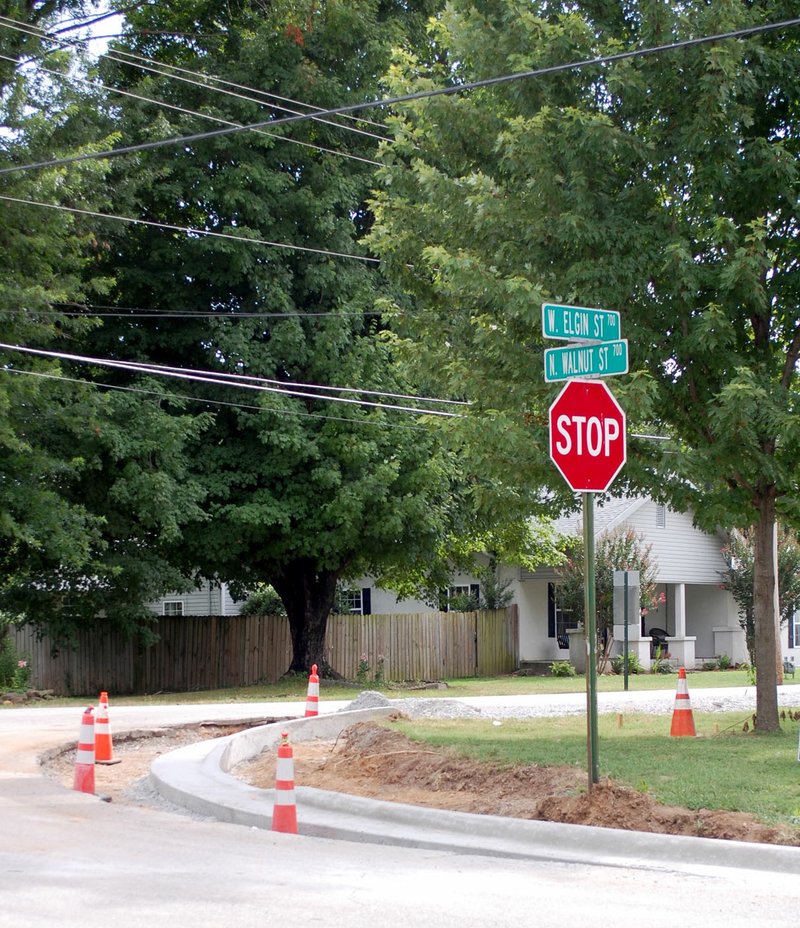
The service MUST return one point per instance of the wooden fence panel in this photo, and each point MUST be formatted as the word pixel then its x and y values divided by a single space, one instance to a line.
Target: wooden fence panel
pixel 211 652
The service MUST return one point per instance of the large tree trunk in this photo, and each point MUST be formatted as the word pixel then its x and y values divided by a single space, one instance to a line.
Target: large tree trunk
pixel 308 595
pixel 764 607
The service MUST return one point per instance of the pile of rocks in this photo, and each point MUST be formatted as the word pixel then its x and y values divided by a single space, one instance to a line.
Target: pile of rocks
pixel 15 698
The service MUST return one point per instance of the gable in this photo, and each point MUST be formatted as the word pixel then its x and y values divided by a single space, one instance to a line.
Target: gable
pixel 683 553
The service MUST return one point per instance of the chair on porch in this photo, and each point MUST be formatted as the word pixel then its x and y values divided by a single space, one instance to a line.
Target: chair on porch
pixel 658 639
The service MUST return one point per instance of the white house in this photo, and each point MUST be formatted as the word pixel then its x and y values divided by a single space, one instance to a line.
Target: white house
pixel 700 619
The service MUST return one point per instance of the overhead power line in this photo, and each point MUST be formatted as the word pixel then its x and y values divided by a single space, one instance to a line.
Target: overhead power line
pixel 253 94
pixel 187 112
pixel 373 423
pixel 93 310
pixel 413 97
pixel 189 230
pixel 239 378
pixel 241 382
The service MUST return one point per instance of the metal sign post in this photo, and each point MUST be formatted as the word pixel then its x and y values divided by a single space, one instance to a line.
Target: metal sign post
pixel 591 638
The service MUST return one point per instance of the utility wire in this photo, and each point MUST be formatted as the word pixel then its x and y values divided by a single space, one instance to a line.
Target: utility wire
pixel 208 402
pixel 413 97
pixel 67 25
pixel 36 32
pixel 238 378
pixel 189 230
pixel 74 78
pixel 82 311
pixel 115 56
pixel 218 380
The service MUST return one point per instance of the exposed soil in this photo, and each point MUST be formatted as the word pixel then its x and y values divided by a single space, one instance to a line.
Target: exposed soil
pixel 380 763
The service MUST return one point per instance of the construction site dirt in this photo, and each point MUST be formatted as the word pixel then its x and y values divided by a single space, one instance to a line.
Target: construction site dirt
pixel 381 763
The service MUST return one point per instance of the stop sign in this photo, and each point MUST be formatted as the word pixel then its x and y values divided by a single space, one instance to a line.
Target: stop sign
pixel 587 435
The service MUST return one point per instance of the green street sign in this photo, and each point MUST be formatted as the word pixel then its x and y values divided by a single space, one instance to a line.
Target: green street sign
pixel 578 323
pixel 602 359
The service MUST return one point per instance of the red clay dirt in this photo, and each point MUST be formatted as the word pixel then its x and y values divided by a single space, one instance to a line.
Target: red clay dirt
pixel 378 762
pixel 374 761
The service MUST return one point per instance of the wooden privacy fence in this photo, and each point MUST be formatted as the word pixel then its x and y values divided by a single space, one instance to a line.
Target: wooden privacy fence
pixel 210 652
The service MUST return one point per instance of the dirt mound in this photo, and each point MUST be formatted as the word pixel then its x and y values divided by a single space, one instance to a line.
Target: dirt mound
pixel 380 763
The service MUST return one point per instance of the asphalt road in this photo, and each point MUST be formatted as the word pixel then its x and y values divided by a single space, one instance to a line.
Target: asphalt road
pixel 68 859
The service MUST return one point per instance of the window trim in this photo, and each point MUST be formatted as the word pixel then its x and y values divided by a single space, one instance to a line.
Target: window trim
pixel 355 600
pixel 173 602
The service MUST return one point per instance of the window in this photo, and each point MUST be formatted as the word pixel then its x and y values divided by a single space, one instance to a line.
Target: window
pixel 559 620
pixel 794 631
pixel 463 597
pixel 173 607
pixel 352 601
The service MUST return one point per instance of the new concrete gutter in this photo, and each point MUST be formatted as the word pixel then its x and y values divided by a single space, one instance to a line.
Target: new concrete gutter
pixel 198 778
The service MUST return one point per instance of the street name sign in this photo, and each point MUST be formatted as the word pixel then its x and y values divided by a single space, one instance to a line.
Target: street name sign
pixel 599 359
pixel 579 323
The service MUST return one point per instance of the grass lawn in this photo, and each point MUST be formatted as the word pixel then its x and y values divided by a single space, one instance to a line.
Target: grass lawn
pixel 293 689
pixel 723 768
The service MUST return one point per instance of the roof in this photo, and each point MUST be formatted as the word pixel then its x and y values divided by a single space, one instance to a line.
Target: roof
pixel 609 512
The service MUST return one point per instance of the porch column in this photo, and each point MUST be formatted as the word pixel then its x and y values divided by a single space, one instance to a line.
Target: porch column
pixel 680 646
pixel 679 592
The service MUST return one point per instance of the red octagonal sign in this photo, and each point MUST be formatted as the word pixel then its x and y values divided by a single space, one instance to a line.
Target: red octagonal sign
pixel 587 435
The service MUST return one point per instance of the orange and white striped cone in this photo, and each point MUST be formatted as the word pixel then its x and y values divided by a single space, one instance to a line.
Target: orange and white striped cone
pixel 312 699
pixel 103 748
pixel 682 718
pixel 84 759
pixel 284 812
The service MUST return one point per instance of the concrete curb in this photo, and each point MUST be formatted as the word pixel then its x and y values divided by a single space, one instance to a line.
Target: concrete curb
pixel 197 777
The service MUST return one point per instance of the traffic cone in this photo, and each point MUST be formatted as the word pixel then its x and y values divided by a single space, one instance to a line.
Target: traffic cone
pixel 103 748
pixel 312 700
pixel 84 759
pixel 682 718
pixel 284 812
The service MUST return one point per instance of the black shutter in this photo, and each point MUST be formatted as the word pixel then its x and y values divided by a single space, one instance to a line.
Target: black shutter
pixel 366 601
pixel 551 610
pixel 790 623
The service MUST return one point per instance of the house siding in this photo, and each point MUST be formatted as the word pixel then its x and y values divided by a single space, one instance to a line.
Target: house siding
pixel 207 600
pixel 683 553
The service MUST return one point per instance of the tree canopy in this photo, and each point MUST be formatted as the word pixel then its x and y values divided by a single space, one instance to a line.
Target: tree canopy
pixel 272 283
pixel 663 186
pixel 90 481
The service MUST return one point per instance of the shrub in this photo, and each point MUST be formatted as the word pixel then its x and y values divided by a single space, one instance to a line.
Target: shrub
pixel 263 601
pixel 15 668
pixel 661 662
pixel 634 666
pixel 724 662
pixel 562 669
